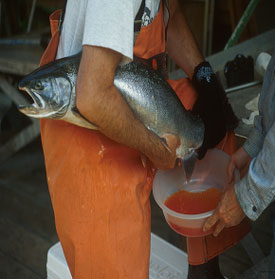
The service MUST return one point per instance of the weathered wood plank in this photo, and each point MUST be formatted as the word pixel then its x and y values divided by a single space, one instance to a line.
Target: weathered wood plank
pixel 24 195
pixel 16 165
pixel 234 261
pixel 11 269
pixel 19 60
pixel 19 141
pixel 262 231
pixel 258 271
pixel 24 246
pixel 252 248
pixel 23 211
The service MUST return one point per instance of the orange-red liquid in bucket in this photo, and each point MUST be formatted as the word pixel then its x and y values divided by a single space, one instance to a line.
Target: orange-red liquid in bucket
pixel 192 203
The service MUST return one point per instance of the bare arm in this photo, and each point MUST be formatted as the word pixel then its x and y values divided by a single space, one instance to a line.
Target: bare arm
pixel 181 45
pixel 101 103
pixel 211 104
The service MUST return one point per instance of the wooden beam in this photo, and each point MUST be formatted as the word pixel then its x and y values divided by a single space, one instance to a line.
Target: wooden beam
pixel 12 92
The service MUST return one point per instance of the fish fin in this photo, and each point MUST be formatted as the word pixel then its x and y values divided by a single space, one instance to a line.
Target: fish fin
pixel 164 142
pixel 81 120
pixel 162 139
pixel 143 160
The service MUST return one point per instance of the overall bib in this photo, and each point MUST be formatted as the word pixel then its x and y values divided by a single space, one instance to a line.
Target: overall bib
pixel 100 190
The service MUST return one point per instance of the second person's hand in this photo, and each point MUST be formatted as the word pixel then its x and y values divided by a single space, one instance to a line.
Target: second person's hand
pixel 228 213
pixel 239 160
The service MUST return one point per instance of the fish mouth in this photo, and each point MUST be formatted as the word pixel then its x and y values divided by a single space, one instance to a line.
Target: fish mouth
pixel 37 106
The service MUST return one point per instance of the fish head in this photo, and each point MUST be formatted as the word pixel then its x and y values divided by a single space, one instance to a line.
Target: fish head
pixel 184 152
pixel 190 143
pixel 50 87
pixel 191 135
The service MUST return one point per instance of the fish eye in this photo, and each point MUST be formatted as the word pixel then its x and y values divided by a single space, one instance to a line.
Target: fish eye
pixel 38 85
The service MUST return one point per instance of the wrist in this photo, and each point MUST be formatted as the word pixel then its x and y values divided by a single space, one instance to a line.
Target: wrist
pixel 155 147
pixel 203 74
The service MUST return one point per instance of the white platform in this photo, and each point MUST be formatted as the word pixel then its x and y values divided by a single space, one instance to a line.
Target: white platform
pixel 166 262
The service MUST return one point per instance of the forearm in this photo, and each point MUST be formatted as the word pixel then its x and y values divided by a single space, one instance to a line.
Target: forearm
pixel 257 189
pixel 181 45
pixel 102 104
pixel 255 140
pixel 115 120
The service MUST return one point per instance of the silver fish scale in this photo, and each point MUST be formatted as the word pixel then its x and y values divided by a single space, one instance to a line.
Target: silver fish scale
pixel 146 94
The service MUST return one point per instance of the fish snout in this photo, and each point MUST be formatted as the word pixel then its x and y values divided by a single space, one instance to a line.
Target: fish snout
pixel 23 84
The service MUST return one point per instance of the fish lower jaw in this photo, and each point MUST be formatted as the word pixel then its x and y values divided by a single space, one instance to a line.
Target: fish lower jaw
pixel 35 113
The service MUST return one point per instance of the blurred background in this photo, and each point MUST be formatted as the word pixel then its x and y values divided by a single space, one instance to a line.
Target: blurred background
pixel 220 16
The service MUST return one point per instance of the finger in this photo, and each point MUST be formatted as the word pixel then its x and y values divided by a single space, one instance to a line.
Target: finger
pixel 230 170
pixel 210 222
pixel 219 227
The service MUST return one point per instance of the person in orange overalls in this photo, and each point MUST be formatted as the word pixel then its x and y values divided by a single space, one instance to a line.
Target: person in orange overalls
pixel 98 185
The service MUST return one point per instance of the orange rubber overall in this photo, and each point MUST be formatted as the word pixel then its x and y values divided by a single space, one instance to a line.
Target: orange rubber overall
pixel 100 190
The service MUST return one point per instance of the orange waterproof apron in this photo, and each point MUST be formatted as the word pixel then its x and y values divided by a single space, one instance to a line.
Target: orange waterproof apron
pixel 100 189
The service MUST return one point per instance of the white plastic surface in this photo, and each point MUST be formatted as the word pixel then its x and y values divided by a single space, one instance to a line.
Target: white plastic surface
pixel 166 261
pixel 208 172
pixel 262 62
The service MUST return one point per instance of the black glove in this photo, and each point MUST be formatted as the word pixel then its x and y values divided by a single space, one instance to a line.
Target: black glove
pixel 212 106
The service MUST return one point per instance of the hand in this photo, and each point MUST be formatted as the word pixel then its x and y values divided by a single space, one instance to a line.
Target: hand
pixel 228 213
pixel 167 159
pixel 212 106
pixel 240 160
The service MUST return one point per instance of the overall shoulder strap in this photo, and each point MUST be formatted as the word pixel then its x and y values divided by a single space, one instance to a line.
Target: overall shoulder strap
pixel 62 14
pixel 166 2
pixel 138 20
